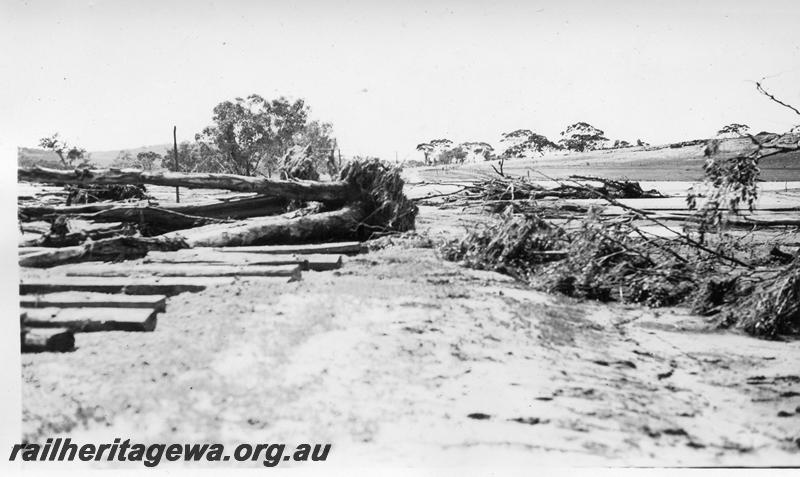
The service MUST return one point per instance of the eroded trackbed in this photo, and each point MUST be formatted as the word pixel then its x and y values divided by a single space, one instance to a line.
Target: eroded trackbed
pixel 403 359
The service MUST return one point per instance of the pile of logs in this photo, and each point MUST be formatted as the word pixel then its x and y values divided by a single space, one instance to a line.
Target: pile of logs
pixel 367 199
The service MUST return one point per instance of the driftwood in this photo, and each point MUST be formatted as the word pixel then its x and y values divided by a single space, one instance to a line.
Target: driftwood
pixel 338 224
pixel 338 191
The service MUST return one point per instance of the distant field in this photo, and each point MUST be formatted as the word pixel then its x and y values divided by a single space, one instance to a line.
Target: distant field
pixel 662 164
pixel 30 156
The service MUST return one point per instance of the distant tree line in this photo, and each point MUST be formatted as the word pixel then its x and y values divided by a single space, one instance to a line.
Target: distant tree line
pixel 578 137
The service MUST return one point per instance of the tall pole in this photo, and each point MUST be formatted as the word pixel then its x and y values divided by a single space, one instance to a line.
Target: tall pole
pixel 175 149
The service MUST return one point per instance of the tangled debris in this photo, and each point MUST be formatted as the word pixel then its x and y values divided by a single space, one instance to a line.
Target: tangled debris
pixel 298 163
pixel 97 193
pixel 609 258
pixel 585 187
pixel 773 308
pixel 380 187
pixel 594 258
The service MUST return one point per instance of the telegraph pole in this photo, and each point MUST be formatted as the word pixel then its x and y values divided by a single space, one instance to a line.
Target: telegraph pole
pixel 175 149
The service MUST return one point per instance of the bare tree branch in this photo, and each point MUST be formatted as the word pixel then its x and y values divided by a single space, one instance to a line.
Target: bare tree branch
pixel 772 97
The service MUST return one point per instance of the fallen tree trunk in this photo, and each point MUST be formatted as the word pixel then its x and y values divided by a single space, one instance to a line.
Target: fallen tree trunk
pixel 257 206
pixel 33 212
pixel 339 224
pixel 232 209
pixel 382 208
pixel 339 191
pixel 69 239
pixel 155 219
pixel 117 248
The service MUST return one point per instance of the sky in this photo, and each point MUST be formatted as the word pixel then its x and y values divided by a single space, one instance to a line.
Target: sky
pixel 389 75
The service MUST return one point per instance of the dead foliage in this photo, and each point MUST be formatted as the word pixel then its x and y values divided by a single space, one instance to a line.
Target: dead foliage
pixel 380 188
pixel 611 258
pixel 593 258
pixel 298 163
pixel 773 307
pixel 97 193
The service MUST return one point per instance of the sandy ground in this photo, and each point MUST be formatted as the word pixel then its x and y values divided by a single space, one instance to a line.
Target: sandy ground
pixel 401 358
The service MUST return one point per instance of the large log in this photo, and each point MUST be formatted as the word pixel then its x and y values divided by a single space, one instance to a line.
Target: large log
pixel 339 191
pixel 118 248
pixel 257 206
pixel 154 219
pixel 29 250
pixel 230 209
pixel 339 224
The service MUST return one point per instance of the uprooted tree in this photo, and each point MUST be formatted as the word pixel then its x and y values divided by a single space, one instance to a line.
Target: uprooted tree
pixel 367 200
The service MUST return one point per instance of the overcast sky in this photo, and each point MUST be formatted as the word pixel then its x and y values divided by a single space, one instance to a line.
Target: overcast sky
pixel 119 74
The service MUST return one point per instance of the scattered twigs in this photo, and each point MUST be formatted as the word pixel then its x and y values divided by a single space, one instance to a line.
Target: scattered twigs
pixel 444 194
pixel 644 215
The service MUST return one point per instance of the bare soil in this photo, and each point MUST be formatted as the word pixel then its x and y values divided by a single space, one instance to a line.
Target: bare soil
pixel 402 358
